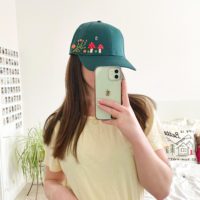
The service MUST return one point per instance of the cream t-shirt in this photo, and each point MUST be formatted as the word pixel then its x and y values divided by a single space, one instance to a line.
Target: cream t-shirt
pixel 107 169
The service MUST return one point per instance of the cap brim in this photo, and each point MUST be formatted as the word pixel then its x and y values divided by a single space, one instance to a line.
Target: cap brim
pixel 91 62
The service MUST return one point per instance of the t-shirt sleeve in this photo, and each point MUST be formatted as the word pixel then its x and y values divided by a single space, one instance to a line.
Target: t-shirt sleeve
pixel 49 160
pixel 155 133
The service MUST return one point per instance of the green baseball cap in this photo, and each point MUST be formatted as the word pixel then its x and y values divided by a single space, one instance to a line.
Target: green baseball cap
pixel 99 44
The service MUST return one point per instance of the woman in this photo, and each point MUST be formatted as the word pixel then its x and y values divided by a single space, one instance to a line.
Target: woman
pixel 90 159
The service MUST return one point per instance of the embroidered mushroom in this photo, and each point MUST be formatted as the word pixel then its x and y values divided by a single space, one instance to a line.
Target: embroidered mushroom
pixel 91 46
pixel 100 47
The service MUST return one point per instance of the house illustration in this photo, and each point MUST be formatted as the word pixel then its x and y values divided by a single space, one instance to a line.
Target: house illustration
pixel 183 147
pixel 182 150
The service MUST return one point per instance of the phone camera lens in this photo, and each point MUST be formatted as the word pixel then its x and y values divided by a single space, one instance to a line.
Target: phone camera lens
pixel 116 71
pixel 116 76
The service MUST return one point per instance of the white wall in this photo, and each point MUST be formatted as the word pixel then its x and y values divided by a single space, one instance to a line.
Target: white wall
pixel 161 40
pixel 11 179
pixel 8 25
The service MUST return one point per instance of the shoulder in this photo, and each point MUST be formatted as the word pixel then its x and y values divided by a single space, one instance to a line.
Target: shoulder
pixel 55 133
pixel 151 121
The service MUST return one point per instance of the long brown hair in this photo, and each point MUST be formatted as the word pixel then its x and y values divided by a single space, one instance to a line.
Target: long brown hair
pixel 73 112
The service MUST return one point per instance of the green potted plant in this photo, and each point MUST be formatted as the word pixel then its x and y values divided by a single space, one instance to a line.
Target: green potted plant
pixel 30 155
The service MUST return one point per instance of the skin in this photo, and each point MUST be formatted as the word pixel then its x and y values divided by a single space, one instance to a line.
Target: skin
pixel 153 169
pixel 53 188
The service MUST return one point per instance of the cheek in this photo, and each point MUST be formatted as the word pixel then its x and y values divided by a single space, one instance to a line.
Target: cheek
pixel 88 76
pixel 91 80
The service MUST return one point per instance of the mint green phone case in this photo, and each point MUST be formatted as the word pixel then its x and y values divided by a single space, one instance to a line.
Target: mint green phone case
pixel 107 88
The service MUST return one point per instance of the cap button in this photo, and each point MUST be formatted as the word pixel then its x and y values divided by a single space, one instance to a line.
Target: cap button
pixel 99 21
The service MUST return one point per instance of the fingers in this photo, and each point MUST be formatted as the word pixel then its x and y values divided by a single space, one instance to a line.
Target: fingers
pixel 109 110
pixel 125 99
pixel 111 103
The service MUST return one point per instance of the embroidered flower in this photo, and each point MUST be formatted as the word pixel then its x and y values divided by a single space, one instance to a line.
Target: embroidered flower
pixel 79 47
pixel 73 46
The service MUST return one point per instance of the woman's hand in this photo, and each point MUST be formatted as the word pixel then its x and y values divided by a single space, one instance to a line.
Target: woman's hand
pixel 124 116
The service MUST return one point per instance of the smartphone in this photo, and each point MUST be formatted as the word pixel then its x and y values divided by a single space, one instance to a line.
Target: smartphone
pixel 107 86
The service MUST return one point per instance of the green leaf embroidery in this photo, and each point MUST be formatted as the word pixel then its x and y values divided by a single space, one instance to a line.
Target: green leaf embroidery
pixel 80 46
